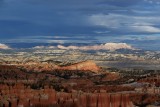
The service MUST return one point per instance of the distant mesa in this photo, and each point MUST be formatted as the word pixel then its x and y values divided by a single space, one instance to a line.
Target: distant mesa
pixel 3 46
pixel 107 46
pixel 115 46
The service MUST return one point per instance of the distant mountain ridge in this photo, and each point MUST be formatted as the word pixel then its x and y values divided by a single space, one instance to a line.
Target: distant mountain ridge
pixel 106 46
pixel 3 46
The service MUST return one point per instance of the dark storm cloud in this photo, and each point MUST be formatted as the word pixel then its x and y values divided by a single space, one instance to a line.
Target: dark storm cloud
pixel 19 18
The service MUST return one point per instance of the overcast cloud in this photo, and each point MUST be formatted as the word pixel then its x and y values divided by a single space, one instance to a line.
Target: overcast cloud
pixel 78 18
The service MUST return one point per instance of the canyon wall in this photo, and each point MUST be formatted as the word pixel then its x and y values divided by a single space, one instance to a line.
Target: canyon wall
pixel 22 96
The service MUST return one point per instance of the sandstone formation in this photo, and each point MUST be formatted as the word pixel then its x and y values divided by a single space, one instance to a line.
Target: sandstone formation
pixel 110 76
pixel 84 66
pixel 39 67
pixel 80 66
pixel 65 87
pixel 22 96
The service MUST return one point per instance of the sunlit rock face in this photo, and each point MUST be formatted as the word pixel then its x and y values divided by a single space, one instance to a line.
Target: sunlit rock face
pixel 84 66
pixel 88 65
pixel 20 95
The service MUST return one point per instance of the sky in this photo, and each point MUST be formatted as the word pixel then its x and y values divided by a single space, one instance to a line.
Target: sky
pixel 135 22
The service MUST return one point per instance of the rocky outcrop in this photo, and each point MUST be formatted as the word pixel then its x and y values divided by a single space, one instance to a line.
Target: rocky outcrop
pixel 20 95
pixel 39 67
pixel 80 66
pixel 110 76
pixel 144 99
pixel 83 66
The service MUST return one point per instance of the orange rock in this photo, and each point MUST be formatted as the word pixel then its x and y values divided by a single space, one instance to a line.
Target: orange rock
pixel 103 100
pixel 83 66
pixel 13 102
pixel 92 100
pixel 116 100
pixel 23 103
pixel 126 102
pixel 83 100
pixel 110 76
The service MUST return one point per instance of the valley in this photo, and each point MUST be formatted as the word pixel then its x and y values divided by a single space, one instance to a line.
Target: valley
pixel 74 78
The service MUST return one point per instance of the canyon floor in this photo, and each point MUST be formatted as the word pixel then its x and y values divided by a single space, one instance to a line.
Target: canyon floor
pixel 81 84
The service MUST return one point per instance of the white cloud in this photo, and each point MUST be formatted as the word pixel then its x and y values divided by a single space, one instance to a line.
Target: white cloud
pixel 101 32
pixel 153 1
pixel 126 23
pixel 105 20
pixel 31 40
pixel 149 29
pixel 56 41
